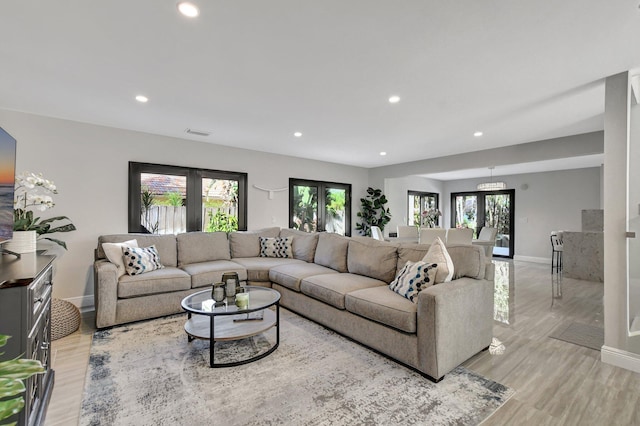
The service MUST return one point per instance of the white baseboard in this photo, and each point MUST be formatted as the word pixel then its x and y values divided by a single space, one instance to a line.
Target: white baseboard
pixel 620 358
pixel 84 303
pixel 546 260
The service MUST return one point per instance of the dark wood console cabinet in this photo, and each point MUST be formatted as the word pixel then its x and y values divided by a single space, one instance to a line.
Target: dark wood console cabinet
pixel 25 315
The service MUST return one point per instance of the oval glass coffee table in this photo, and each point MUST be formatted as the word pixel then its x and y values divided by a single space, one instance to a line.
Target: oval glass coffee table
pixel 229 322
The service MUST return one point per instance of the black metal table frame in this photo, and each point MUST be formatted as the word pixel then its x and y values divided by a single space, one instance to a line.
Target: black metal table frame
pixel 212 317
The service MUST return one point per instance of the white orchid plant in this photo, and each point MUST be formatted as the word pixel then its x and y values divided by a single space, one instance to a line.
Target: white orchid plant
pixel 32 192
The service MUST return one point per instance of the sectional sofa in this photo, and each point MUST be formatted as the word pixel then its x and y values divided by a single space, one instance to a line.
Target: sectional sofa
pixel 339 282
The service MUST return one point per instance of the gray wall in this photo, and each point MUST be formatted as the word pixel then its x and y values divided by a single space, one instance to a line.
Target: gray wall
pixel 89 164
pixel 551 201
pixel 397 191
pixel 565 147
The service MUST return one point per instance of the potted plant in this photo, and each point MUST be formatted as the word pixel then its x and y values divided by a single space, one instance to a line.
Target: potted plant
pixel 12 376
pixel 373 212
pixel 32 192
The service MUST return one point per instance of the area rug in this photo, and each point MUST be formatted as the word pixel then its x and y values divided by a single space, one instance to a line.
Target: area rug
pixel 580 334
pixel 148 374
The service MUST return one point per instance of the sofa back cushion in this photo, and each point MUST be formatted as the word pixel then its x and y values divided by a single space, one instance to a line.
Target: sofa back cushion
pixel 196 247
pixel 331 251
pixel 247 243
pixel 304 243
pixel 468 261
pixel 373 259
pixel 165 245
pixel 409 252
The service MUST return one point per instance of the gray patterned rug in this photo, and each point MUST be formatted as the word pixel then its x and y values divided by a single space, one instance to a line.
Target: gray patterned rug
pixel 148 374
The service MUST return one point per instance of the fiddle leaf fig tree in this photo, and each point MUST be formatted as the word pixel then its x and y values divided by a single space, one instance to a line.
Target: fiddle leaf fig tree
pixel 373 212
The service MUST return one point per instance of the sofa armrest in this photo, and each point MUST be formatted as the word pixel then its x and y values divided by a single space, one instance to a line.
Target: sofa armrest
pixel 455 321
pixel 105 292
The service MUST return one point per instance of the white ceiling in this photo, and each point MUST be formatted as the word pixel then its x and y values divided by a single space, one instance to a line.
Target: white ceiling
pixel 252 72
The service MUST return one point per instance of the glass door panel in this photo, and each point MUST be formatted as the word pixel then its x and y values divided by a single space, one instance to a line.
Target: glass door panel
pixel 219 205
pixel 305 208
pixel 466 212
pixel 497 214
pixel 163 203
pixel 335 202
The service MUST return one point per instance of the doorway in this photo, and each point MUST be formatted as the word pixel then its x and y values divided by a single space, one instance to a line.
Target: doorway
pixel 477 209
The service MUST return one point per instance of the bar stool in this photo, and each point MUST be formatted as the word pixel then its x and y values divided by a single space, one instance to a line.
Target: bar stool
pixel 556 250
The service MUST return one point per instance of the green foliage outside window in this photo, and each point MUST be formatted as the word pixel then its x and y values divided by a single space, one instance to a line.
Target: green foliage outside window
pixel 305 201
pixel 223 222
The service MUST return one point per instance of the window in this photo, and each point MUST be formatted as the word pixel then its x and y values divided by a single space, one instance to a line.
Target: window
pixel 418 203
pixel 172 199
pixel 320 206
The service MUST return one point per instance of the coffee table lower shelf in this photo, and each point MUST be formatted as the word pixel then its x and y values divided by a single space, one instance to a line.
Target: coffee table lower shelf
pixel 226 329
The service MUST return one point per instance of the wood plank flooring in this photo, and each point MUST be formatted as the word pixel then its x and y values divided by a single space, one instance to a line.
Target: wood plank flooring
pixel 556 383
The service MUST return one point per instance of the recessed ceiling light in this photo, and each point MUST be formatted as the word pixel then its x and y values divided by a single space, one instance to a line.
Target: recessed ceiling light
pixel 394 99
pixel 142 98
pixel 297 134
pixel 188 9
pixel 477 134
pixel 383 153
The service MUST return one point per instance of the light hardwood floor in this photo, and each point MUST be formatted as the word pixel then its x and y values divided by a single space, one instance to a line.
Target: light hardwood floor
pixel 556 383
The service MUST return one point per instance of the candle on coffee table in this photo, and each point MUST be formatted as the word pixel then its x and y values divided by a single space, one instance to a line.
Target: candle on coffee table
pixel 242 300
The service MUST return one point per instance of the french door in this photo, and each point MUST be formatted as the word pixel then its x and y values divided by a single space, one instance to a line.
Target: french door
pixel 320 206
pixel 493 209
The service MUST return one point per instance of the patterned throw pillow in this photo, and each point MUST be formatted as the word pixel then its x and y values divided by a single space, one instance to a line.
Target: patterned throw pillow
pixel 412 278
pixel 140 260
pixel 276 247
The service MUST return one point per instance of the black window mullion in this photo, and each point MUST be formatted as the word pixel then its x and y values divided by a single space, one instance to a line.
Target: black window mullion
pixel 194 200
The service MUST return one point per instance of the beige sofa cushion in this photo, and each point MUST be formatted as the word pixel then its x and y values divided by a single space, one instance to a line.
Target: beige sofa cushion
pixel 331 251
pixel 410 252
pixel 291 275
pixel 468 261
pixel 373 259
pixel 383 305
pixel 165 244
pixel 247 243
pixel 195 247
pixel 304 243
pixel 207 273
pixel 159 281
pixel 258 267
pixel 332 288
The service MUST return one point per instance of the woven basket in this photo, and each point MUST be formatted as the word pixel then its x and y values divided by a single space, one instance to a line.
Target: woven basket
pixel 65 318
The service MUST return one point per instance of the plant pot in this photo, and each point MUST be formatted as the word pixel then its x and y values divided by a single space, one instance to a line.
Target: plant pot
pixel 22 242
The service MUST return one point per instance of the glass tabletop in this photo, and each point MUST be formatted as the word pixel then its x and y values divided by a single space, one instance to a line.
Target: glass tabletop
pixel 202 303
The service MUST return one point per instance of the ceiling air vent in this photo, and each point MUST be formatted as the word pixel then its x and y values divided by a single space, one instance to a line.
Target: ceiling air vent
pixel 198 132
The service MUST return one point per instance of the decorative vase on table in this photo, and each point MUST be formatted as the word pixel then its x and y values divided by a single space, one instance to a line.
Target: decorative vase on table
pixel 22 242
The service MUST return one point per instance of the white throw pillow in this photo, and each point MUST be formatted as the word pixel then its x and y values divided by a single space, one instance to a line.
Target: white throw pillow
pixel 113 251
pixel 412 278
pixel 438 254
